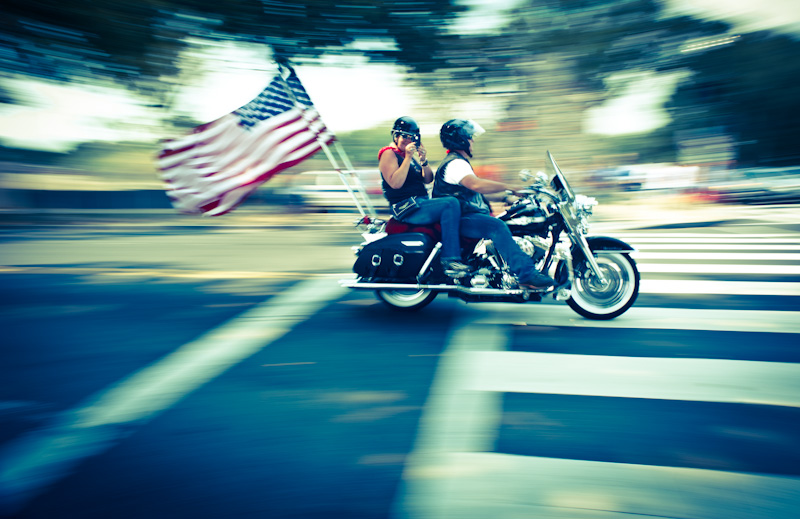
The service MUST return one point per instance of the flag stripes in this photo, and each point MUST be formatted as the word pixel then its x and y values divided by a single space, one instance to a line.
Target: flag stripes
pixel 214 168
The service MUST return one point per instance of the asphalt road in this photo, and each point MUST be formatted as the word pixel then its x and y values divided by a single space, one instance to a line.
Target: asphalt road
pixel 164 370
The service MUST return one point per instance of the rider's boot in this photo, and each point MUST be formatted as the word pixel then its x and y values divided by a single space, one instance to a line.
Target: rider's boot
pixel 537 282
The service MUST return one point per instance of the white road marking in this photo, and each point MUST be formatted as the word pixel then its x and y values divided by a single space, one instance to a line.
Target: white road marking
pixel 32 462
pixel 453 420
pixel 719 256
pixel 645 318
pixel 713 246
pixel 705 380
pixel 699 287
pixel 484 485
pixel 690 236
pixel 718 268
pixel 717 238
pixel 452 472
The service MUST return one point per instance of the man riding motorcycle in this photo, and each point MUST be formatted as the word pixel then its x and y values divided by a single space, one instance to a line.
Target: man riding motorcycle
pixel 455 177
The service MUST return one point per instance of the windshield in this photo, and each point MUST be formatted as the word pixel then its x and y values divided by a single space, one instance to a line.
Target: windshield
pixel 557 179
pixel 474 129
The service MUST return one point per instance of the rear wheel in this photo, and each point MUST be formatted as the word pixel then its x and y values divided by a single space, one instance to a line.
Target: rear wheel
pixel 611 297
pixel 406 300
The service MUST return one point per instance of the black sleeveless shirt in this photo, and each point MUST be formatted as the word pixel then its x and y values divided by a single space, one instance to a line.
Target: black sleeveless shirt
pixel 471 201
pixel 413 186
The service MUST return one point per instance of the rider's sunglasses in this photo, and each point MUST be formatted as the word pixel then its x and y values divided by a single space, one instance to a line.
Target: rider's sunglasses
pixel 410 136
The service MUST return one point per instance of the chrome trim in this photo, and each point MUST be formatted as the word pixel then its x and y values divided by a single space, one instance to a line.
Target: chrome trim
pixel 615 251
pixel 354 283
pixel 428 261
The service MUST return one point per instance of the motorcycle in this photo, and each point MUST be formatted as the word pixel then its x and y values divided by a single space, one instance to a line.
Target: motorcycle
pixel 595 275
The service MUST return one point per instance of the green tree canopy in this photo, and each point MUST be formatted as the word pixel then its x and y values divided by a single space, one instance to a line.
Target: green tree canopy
pixel 751 89
pixel 138 41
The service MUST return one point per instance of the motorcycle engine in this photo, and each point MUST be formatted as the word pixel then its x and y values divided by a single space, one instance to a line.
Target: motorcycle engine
pixel 526 245
pixel 534 246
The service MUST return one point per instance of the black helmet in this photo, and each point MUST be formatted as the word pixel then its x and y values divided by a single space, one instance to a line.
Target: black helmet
pixel 456 133
pixel 406 125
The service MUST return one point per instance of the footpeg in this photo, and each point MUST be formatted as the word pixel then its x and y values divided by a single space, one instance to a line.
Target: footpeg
pixel 562 294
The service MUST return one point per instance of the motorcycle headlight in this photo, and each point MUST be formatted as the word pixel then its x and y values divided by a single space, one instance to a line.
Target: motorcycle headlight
pixel 585 204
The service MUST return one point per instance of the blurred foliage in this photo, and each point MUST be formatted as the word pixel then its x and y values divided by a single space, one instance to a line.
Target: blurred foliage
pixel 138 42
pixel 545 67
pixel 26 156
pixel 751 88
pixel 550 64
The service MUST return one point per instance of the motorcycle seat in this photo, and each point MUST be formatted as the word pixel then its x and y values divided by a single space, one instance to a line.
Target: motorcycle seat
pixel 434 230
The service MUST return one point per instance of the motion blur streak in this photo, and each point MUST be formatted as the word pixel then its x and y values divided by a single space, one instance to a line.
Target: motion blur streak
pixel 41 458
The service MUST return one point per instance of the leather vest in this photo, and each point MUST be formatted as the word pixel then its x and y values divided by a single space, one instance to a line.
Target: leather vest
pixel 413 186
pixel 471 202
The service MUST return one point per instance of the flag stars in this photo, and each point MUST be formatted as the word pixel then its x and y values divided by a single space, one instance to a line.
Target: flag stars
pixel 212 170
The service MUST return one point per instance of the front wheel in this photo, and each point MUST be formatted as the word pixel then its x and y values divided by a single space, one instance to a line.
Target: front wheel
pixel 406 300
pixel 607 299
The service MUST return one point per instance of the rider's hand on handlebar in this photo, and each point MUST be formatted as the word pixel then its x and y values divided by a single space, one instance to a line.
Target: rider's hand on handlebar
pixel 518 191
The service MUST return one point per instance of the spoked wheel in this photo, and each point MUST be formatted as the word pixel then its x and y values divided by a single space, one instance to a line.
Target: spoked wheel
pixel 406 300
pixel 611 297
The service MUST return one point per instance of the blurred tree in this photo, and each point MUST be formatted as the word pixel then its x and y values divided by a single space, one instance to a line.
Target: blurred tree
pixel 138 42
pixel 749 88
pixel 546 66
pixel 550 64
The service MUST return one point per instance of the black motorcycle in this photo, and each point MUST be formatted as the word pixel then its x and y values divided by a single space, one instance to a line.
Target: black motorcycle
pixel 595 275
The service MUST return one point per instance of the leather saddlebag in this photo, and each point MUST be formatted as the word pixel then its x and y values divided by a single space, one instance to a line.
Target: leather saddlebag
pixel 396 257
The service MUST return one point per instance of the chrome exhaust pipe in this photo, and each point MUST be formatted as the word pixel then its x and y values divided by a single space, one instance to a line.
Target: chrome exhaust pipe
pixel 353 283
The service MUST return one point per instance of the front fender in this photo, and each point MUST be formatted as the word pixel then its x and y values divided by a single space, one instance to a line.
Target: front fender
pixel 602 243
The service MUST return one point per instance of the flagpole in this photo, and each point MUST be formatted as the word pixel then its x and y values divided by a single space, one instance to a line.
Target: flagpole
pixel 350 168
pixel 342 155
pixel 346 183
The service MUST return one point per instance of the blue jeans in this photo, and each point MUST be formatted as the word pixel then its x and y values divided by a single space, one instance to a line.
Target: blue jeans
pixel 446 211
pixel 478 225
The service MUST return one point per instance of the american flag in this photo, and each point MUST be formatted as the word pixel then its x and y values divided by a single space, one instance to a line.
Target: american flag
pixel 214 168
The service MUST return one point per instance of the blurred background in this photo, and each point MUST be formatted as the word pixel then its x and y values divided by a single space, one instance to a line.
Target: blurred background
pixel 635 97
pixel 306 400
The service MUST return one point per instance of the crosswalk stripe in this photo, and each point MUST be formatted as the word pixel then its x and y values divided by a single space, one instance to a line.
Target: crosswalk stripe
pixel 489 484
pixel 714 246
pixel 704 380
pixel 452 473
pixel 716 235
pixel 717 239
pixel 447 476
pixel 718 268
pixel 699 286
pixel 643 318
pixel 453 420
pixel 719 256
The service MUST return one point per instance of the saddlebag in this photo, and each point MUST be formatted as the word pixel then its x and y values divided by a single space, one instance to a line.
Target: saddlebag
pixel 396 257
